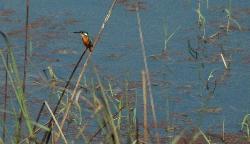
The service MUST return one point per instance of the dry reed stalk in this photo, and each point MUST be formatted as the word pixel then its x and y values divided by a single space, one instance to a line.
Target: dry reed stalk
pixel 147 73
pixel 145 118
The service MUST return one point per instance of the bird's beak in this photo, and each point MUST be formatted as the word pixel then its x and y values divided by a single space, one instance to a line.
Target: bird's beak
pixel 76 32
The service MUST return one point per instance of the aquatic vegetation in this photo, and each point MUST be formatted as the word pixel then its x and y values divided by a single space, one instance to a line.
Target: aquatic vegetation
pixel 14 77
pixel 230 17
pixel 168 36
pixel 245 125
pixel 176 96
pixel 201 19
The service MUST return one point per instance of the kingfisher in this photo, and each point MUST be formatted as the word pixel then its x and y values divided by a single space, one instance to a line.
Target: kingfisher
pixel 86 40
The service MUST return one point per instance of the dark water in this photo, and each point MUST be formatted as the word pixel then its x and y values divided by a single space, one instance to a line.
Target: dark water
pixel 177 77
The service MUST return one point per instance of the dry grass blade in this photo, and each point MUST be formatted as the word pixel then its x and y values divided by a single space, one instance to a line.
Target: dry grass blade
pixel 57 124
pixel 147 72
pixel 224 61
pixel 204 136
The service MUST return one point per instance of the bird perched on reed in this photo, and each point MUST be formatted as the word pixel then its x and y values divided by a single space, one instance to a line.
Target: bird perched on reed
pixel 86 40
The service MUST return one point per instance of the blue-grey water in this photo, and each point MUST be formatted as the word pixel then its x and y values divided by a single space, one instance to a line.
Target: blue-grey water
pixel 177 78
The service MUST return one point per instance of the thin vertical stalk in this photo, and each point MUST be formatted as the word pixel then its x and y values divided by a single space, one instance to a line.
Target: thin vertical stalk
pixel 26 46
pixel 223 129
pixel 147 72
pixel 5 97
pixel 137 131
pixel 145 112
pixel 25 63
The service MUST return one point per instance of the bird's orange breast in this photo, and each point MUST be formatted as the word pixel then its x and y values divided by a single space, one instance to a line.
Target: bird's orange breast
pixel 85 40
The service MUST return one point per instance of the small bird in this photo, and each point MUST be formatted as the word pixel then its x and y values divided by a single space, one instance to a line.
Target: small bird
pixel 86 40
